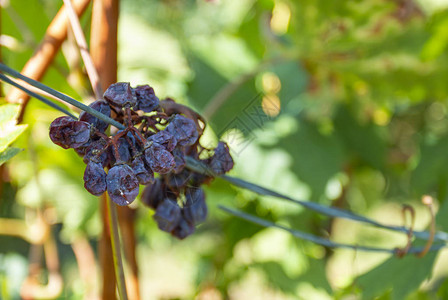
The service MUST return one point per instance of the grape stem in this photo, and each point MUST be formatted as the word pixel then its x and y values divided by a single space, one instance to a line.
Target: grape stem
pixel 84 49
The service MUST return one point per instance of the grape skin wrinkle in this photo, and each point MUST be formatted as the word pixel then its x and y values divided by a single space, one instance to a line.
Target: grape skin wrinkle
pixel 122 184
pixel 95 178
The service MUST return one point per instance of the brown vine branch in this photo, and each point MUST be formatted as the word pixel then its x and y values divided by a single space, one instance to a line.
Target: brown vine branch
pixel 35 233
pixel 126 217
pixel 84 49
pixel 32 288
pixel 106 256
pixel 103 40
pixel 85 258
pixel 38 64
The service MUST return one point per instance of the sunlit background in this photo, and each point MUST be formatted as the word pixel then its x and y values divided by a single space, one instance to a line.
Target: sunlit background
pixel 338 102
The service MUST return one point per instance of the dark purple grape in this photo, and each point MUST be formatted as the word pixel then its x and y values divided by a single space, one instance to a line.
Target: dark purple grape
pixel 184 130
pixel 183 229
pixel 144 174
pixel 198 179
pixel 153 194
pixel 120 94
pixel 179 160
pixel 132 142
pixel 178 181
pixel 69 133
pixel 195 209
pixel 168 215
pixel 160 160
pixel 81 151
pixel 221 162
pixel 95 151
pixel 122 184
pixel 146 98
pixel 100 106
pixel 95 178
pixel 123 150
pixel 165 139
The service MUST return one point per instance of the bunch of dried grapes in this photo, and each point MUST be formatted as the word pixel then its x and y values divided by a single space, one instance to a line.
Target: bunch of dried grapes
pixel 158 135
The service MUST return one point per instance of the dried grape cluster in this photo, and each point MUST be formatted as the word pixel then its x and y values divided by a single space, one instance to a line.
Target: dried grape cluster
pixel 151 151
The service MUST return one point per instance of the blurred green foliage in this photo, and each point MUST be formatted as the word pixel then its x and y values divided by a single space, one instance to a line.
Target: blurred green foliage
pixel 342 103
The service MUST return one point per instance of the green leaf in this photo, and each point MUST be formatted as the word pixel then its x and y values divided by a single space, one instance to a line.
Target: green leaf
pixel 432 166
pixel 402 275
pixel 9 134
pixel 8 112
pixel 9 131
pixel 314 274
pixel 438 42
pixel 316 157
pixel 8 154
pixel 241 110
pixel 363 141
pixel 277 276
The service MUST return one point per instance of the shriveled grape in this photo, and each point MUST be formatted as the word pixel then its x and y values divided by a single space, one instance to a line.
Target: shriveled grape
pixel 97 152
pixel 120 94
pixel 195 209
pixel 95 178
pixel 153 194
pixel 183 229
pixel 179 160
pixel 184 130
pixel 159 159
pixel 122 184
pixel 221 162
pixel 100 106
pixel 165 139
pixel 146 98
pixel 69 133
pixel 168 215
pixel 144 174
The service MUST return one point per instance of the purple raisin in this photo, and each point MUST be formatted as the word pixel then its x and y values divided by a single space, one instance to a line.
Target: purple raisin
pixel 153 194
pixel 221 162
pixel 100 106
pixel 95 151
pixel 120 94
pixel 159 159
pixel 183 229
pixel 168 215
pixel 95 178
pixel 122 184
pixel 146 98
pixel 69 133
pixel 144 174
pixel 195 209
pixel 179 160
pixel 165 139
pixel 178 181
pixel 123 148
pixel 184 130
